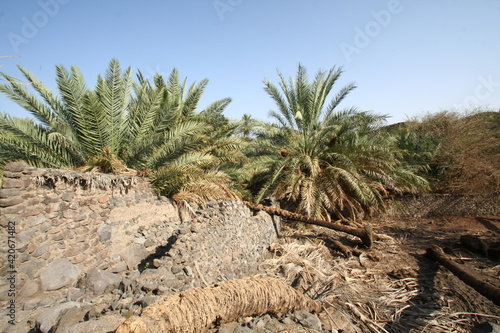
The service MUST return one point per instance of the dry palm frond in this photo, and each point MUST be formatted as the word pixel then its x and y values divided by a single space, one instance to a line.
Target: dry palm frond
pixel 354 285
pixel 107 162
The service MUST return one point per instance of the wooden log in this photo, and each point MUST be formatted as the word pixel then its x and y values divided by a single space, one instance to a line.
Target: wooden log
pixel 365 234
pixel 484 288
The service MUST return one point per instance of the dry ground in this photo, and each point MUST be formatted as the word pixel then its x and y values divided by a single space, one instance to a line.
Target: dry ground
pixel 392 287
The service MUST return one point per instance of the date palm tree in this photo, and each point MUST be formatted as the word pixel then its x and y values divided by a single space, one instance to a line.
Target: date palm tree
pixel 328 162
pixel 118 126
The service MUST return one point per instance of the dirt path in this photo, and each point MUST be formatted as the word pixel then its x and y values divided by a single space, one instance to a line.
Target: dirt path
pixel 392 287
pixel 440 290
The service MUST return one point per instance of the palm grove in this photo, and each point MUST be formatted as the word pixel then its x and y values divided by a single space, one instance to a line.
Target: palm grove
pixel 322 160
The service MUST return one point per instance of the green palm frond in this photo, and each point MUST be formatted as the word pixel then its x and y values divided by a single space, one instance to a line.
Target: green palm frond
pixel 19 93
pixel 324 160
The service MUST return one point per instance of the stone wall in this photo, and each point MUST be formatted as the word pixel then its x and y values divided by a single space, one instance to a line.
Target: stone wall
pixel 99 239
pixel 434 205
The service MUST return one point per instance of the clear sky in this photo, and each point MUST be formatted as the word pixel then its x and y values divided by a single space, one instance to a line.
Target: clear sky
pixel 406 57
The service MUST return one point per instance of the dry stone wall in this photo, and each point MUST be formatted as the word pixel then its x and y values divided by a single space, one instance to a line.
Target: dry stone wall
pixel 107 242
pixel 435 205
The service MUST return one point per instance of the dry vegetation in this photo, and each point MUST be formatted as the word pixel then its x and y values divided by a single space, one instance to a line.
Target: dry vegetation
pixel 393 287
pixel 467 150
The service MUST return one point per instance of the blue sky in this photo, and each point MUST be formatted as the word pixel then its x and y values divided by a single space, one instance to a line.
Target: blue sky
pixel 407 57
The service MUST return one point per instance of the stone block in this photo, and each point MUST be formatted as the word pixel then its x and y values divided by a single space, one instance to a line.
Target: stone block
pixel 16 166
pixel 68 196
pixel 7 193
pixel 33 212
pixel 8 174
pixel 7 202
pixel 9 183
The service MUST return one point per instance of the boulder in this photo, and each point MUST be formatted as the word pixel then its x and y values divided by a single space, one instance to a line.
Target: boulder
pixel 46 321
pixel 133 256
pixel 99 281
pixel 59 273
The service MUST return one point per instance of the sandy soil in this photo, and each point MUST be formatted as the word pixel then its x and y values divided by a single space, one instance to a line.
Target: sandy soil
pixel 440 290
pixel 393 287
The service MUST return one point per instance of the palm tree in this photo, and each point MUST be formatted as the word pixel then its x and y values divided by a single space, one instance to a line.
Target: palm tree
pixel 247 126
pixel 148 126
pixel 327 162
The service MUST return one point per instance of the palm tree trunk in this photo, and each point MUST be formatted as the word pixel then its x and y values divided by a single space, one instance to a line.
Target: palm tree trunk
pixel 484 288
pixel 196 310
pixel 365 234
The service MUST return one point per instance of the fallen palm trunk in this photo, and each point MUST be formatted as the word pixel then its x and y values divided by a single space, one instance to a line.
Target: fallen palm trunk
pixel 365 234
pixel 196 310
pixel 484 288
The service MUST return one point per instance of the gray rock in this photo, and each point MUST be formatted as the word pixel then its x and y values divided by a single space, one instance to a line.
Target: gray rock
pixel 134 255
pixel 9 183
pixel 25 237
pixel 118 267
pixel 16 166
pixel 71 316
pixel 41 250
pixel 104 233
pixel 6 193
pixel 486 327
pixel 29 289
pixel 105 324
pixel 31 304
pixel 35 220
pixel 68 196
pixel 234 328
pixel 100 282
pixel 307 319
pixel 59 273
pixel 50 317
pixel 7 202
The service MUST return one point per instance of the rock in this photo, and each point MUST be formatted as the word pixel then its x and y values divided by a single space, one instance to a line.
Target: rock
pixel 59 273
pixel 133 256
pixel 118 267
pixel 100 282
pixel 7 193
pixel 41 250
pixel 9 183
pixel 71 316
pixel 68 196
pixel 16 166
pixel 46 321
pixel 10 201
pixel 485 327
pixel 29 289
pixel 234 327
pixel 105 324
pixel 31 304
pixel 307 319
